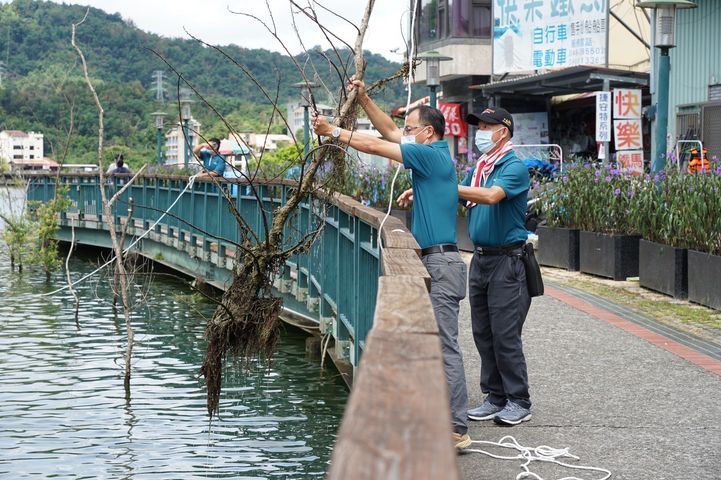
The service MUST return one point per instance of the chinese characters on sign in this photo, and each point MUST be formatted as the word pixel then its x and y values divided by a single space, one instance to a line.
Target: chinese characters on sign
pixel 455 126
pixel 534 34
pixel 626 103
pixel 630 161
pixel 628 134
pixel 627 119
pixel 603 116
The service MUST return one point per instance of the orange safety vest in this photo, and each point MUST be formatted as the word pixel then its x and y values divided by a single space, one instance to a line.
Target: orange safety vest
pixel 698 163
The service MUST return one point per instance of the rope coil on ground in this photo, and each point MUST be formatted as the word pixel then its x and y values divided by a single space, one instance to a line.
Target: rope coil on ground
pixel 542 453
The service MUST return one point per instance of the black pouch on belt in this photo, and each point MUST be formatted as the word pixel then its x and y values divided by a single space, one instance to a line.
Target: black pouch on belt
pixel 533 271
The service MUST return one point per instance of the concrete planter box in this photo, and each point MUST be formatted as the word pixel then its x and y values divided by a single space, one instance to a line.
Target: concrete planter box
pixel 558 247
pixel 663 268
pixel 610 256
pixel 704 279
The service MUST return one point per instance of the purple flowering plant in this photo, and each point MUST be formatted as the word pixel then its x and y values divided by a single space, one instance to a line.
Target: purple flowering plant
pixel 595 199
pixel 670 207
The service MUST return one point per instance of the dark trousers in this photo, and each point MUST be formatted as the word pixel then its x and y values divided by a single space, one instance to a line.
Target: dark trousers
pixel 499 304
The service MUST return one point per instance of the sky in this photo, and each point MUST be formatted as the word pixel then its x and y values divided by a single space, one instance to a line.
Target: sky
pixel 211 21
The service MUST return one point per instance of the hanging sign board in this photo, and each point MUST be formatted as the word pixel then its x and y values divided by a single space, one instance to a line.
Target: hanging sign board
pixel 603 116
pixel 627 134
pixel 626 103
pixel 534 34
pixel 455 126
pixel 630 161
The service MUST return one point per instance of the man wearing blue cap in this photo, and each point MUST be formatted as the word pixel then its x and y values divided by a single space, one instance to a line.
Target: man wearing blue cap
pixel 496 195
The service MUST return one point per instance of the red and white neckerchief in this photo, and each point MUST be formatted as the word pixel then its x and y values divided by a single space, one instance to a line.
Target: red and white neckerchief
pixel 485 167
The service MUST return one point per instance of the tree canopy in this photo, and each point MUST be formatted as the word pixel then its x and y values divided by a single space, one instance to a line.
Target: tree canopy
pixel 43 89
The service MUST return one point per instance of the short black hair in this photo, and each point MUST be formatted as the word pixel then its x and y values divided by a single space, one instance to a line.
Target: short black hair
pixel 119 160
pixel 433 117
pixel 214 140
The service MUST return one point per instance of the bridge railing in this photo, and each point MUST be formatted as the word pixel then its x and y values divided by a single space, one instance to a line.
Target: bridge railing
pixel 397 422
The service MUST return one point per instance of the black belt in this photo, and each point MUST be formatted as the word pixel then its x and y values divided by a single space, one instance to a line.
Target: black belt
pixel 504 250
pixel 442 248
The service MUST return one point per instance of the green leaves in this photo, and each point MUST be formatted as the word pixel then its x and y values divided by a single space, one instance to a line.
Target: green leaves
pixel 676 209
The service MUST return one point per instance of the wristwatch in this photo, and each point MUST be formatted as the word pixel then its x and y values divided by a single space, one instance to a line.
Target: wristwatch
pixel 335 133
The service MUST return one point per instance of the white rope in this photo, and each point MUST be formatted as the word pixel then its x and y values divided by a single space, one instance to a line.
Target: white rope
pixel 542 453
pixel 191 180
pixel 409 77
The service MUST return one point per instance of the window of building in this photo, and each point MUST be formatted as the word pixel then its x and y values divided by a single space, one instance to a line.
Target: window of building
pixel 440 19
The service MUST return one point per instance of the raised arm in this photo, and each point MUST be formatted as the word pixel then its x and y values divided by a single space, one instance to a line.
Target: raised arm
pixel 380 120
pixel 360 141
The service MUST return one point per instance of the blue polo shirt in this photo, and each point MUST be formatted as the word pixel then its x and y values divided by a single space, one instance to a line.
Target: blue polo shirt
pixel 435 192
pixel 212 162
pixel 505 222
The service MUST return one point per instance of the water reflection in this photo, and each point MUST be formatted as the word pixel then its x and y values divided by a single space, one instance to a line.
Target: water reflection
pixel 64 414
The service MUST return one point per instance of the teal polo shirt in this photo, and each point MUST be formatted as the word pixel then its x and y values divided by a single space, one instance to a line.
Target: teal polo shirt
pixel 505 222
pixel 212 162
pixel 435 192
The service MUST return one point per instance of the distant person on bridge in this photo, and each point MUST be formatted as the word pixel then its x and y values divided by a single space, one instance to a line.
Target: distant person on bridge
pixel 420 147
pixel 213 161
pixel 118 167
pixel 496 194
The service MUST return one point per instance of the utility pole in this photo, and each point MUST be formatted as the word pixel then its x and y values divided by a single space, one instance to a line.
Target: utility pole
pixel 2 72
pixel 159 77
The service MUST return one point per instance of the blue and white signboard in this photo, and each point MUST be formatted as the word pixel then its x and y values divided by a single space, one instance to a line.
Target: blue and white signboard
pixel 548 34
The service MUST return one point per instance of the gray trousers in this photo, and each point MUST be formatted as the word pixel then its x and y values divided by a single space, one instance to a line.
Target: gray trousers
pixel 448 288
pixel 499 301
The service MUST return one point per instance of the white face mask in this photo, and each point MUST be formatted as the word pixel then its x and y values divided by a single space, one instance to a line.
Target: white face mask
pixel 408 139
pixel 484 142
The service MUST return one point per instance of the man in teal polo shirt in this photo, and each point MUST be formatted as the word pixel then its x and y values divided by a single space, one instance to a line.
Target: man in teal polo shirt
pixel 420 147
pixel 213 161
pixel 496 195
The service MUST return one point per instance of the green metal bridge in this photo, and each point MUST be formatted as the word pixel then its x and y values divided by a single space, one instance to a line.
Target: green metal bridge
pixel 373 302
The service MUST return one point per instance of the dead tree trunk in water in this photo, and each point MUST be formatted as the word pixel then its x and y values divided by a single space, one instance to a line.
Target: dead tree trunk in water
pixel 246 323
pixel 108 216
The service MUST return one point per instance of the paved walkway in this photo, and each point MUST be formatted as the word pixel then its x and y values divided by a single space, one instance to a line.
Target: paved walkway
pixel 618 395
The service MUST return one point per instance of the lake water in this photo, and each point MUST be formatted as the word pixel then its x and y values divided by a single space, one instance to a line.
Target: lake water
pixel 64 411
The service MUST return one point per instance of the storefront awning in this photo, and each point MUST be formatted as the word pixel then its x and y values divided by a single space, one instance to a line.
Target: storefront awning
pixel 562 82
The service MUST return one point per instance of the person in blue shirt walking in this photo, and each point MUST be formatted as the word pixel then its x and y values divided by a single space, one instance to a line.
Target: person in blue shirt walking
pixel 213 161
pixel 420 147
pixel 496 195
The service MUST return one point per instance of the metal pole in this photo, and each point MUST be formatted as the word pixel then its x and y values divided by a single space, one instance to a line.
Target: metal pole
pixel 186 144
pixel 306 132
pixel 664 67
pixel 159 146
pixel 433 96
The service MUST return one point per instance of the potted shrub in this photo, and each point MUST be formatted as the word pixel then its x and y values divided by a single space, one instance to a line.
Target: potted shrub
pixel 557 235
pixel 660 207
pixel 700 222
pixel 608 241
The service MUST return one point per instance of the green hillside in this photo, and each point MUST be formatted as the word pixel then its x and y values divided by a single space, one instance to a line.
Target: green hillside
pixel 43 88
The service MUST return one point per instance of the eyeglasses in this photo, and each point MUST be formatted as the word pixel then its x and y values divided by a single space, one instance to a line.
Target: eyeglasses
pixel 410 128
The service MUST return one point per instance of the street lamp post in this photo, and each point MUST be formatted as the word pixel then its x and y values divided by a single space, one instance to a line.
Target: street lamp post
pixel 665 26
pixel 185 103
pixel 159 116
pixel 433 61
pixel 306 102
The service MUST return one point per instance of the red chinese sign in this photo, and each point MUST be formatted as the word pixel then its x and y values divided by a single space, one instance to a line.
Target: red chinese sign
pixel 627 134
pixel 455 126
pixel 630 161
pixel 626 103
